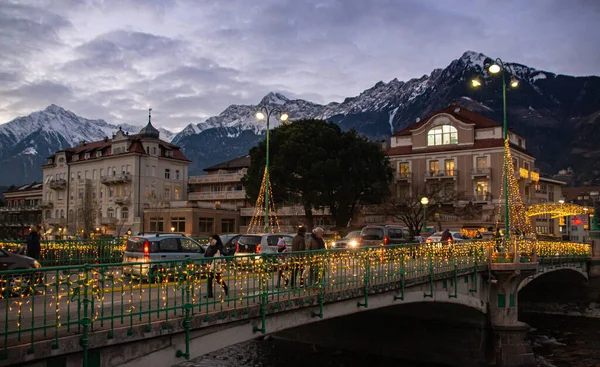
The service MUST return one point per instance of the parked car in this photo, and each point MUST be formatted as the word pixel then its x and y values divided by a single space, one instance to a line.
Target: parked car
pixel 230 243
pixel 256 244
pixel 384 235
pixel 146 248
pixel 456 237
pixel 17 284
pixel 350 241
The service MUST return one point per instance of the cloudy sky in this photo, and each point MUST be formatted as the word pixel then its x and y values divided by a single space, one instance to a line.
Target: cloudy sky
pixel 190 59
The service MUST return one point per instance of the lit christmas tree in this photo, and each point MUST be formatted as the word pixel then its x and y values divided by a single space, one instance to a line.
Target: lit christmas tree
pixel 257 223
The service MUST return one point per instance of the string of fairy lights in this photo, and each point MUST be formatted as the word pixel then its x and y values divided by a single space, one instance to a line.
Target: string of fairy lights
pixel 557 210
pixel 257 222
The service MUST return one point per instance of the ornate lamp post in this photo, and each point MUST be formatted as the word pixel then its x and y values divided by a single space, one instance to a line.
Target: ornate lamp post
pixel 499 67
pixel 424 202
pixel 263 113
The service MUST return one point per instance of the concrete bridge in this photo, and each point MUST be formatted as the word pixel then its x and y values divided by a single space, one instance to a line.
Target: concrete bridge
pixel 95 315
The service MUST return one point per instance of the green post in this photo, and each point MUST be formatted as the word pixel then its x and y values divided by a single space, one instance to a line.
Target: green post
pixel 506 173
pixel 425 218
pixel 267 176
pixel 187 307
pixel 85 321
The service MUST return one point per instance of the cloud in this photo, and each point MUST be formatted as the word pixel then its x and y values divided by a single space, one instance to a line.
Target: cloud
pixel 191 59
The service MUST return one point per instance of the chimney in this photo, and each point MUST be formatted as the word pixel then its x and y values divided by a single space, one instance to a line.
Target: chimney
pixel 82 143
pixel 384 145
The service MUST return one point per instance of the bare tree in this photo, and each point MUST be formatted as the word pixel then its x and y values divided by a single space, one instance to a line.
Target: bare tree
pixel 407 207
pixel 157 207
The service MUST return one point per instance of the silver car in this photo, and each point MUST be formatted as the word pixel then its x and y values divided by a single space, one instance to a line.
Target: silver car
pixel 256 244
pixel 145 249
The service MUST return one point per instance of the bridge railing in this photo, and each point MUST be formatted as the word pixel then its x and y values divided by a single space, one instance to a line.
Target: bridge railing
pixel 93 302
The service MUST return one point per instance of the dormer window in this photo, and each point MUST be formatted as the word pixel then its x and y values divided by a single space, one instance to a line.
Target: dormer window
pixel 442 135
pixel 61 160
pixel 99 154
pixel 87 155
pixel 168 153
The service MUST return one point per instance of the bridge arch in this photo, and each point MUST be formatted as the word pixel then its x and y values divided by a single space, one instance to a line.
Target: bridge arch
pixel 553 270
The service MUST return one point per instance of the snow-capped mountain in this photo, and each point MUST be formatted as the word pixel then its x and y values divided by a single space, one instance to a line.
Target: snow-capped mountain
pixel 27 141
pixel 543 108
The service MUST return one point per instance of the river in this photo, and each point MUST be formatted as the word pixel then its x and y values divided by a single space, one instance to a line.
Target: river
pixel 557 341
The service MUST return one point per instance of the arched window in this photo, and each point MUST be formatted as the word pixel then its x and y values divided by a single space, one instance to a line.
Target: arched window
pixel 62 213
pixel 442 135
pixel 56 214
pixel 125 213
pixel 110 213
pixel 48 214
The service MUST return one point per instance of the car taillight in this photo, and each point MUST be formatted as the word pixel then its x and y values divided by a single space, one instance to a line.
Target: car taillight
pixel 449 239
pixel 386 239
pixel 257 249
pixel 237 247
pixel 428 240
pixel 146 250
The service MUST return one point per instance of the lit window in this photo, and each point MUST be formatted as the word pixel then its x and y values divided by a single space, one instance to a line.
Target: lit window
pixel 442 135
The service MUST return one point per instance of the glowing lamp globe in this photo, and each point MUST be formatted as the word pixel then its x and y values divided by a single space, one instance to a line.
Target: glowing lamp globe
pixel 424 201
pixel 284 117
pixel 494 68
pixel 260 116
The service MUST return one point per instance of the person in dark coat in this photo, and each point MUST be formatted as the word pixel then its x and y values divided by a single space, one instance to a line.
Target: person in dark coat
pixel 315 242
pixel 298 244
pixel 215 250
pixel 446 236
pixel 34 247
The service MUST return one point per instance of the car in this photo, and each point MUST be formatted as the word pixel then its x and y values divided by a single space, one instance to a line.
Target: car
pixel 19 283
pixel 350 241
pixel 456 237
pixel 144 249
pixel 384 235
pixel 230 243
pixel 260 243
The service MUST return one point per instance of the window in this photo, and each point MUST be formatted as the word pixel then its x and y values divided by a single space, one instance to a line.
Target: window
pixel 205 225
pixel 110 213
pixel 62 213
pixel 61 160
pixel 148 150
pixel 72 194
pixel 481 190
pixel 178 224
pixel 101 193
pixel 167 193
pixel 94 195
pixel 449 167
pixel 125 213
pixel 111 191
pixel 60 195
pixel 156 224
pixel 169 244
pixel 434 168
pixel 187 245
pixel 101 172
pixel 94 176
pixel 168 153
pixel 481 163
pixel 526 165
pixel 48 178
pixel 78 175
pixel 153 150
pixel 128 168
pixel 123 170
pixel 80 194
pixel 114 171
pixel 56 214
pixel 442 135
pixel 177 194
pixel 167 173
pixel 87 155
pixel 99 154
pixel 147 170
pixel 72 176
pixel 177 175
pixel 227 225
pixel 153 172
pixel 48 214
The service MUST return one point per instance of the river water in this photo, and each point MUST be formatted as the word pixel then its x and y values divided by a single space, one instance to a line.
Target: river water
pixel 557 341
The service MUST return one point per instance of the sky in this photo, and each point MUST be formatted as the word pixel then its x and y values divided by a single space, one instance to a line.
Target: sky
pixel 190 59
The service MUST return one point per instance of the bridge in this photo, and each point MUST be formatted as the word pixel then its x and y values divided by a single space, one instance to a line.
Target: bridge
pixel 157 313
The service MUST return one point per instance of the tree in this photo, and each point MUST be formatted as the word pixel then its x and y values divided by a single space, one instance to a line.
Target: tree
pixel 407 207
pixel 315 164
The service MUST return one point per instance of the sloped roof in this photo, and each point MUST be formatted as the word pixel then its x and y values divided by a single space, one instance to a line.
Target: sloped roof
pixel 24 188
pixel 478 144
pixel 458 112
pixel 236 163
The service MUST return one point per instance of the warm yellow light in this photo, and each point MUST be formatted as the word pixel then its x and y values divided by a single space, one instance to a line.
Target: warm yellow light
pixel 260 116
pixel 97 229
pixel 424 201
pixel 561 201
pixel 172 229
pixel 494 68
pixel 514 82
pixel 476 83
pixel 284 117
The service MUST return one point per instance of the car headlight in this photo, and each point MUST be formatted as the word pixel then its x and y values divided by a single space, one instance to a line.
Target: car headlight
pixel 36 264
pixel 353 244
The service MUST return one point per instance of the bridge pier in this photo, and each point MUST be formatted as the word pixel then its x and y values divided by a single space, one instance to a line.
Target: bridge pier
pixel 594 270
pixel 511 347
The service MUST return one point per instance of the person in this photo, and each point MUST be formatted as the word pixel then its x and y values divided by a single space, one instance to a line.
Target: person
pixel 315 242
pixel 214 250
pixel 283 266
pixel 298 244
pixel 446 236
pixel 33 243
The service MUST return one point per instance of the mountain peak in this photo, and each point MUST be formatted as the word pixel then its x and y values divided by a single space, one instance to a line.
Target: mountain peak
pixel 473 58
pixel 54 109
pixel 274 98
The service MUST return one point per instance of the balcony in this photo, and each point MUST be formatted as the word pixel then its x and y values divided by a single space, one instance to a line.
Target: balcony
pixel 452 174
pixel 218 195
pixel 112 180
pixel 403 176
pixel 59 184
pixel 481 172
pixel 482 197
pixel 108 221
pixel 228 177
pixel 286 211
pixel 121 200
pixel 20 208
pixel 56 221
pixel 46 205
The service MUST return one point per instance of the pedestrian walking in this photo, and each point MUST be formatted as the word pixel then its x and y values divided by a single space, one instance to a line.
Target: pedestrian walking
pixel 283 262
pixel 298 244
pixel 446 236
pixel 33 243
pixel 314 243
pixel 215 250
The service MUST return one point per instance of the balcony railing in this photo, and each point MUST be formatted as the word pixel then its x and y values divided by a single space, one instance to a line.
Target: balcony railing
pixel 56 221
pixel 442 174
pixel 403 176
pixel 121 200
pixel 478 172
pixel 19 208
pixel 46 204
pixel 228 177
pixel 58 184
pixel 108 220
pixel 110 180
pixel 218 195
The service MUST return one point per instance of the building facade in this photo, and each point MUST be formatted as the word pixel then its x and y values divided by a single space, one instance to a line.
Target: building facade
pixel 577 227
pixel 102 187
pixel 460 152
pixel 547 190
pixel 21 210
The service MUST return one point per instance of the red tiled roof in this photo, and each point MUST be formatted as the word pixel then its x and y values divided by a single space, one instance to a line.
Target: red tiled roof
pixel 239 162
pixel 479 144
pixel 463 115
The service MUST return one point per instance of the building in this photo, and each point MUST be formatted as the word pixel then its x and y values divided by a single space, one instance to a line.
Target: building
pixel 457 151
pixel 547 190
pixel 577 227
pixel 102 187
pixel 21 210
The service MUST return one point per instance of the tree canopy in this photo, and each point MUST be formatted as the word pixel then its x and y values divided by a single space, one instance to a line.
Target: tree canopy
pixel 315 164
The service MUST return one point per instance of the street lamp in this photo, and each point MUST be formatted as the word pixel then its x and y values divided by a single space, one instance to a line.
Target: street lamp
pixel 263 113
pixel 424 202
pixel 495 68
pixel 172 229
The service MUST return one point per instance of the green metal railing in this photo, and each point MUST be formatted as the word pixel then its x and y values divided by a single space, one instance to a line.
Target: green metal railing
pixel 100 300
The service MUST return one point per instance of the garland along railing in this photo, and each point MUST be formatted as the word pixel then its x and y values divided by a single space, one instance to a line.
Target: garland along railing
pixel 97 301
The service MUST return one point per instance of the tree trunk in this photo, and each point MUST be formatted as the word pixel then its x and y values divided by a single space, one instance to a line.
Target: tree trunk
pixel 309 216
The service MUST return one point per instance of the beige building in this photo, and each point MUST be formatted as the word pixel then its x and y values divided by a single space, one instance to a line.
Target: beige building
pixel 461 152
pixel 102 187
pixel 21 210
pixel 547 190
